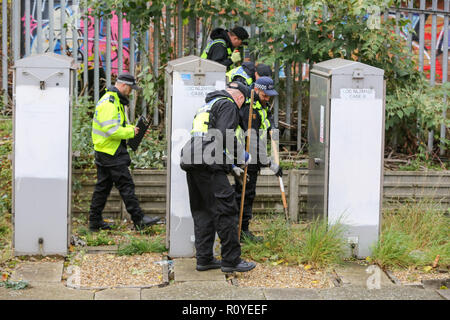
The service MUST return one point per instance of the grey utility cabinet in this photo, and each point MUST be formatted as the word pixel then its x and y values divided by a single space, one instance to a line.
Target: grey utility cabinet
pixel 188 81
pixel 346 142
pixel 42 154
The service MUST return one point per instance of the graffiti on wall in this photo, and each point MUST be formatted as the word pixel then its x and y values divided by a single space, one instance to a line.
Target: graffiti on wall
pixel 427 55
pixel 74 22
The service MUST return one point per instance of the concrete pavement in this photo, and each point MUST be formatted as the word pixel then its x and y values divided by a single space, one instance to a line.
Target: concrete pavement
pixel 353 280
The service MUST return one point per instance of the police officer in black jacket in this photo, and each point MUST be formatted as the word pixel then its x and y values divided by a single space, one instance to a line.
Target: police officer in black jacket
pixel 222 45
pixel 262 124
pixel 207 158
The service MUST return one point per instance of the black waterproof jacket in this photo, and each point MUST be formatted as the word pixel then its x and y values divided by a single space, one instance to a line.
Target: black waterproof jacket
pixel 218 52
pixel 258 148
pixel 224 116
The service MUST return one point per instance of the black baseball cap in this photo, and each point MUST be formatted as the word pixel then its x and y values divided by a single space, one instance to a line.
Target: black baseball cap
pixel 264 70
pixel 128 79
pixel 245 90
pixel 241 33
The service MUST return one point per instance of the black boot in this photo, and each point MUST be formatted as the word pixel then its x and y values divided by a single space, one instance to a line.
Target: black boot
pixel 242 266
pixel 99 225
pixel 214 264
pixel 146 222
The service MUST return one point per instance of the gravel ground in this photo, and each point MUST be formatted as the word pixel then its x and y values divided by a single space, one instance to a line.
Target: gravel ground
pixel 283 277
pixel 109 270
pixel 415 276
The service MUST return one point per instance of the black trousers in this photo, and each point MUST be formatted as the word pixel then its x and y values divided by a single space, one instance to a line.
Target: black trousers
pixel 120 177
pixel 214 209
pixel 250 193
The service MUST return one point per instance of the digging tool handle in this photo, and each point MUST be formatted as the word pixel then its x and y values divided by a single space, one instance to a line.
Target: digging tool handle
pixel 247 148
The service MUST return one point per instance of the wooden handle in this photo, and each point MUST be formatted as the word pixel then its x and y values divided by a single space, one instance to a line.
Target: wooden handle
pixel 247 148
pixel 276 157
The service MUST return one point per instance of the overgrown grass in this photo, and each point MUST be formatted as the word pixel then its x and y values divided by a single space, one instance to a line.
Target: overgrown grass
pixel 413 235
pixel 313 244
pixel 5 238
pixel 139 246
pixel 5 165
pixel 100 238
pixel 322 244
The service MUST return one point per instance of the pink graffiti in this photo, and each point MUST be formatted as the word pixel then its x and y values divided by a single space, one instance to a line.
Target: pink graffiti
pixel 91 35
pixel 114 42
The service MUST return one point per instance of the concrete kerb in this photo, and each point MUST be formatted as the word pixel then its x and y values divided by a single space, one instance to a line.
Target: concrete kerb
pixel 47 283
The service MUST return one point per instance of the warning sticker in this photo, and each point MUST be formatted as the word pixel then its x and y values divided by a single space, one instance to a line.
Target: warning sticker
pixel 357 94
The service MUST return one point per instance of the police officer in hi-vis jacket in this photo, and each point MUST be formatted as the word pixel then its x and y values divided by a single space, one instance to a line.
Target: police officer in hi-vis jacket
pixel 110 131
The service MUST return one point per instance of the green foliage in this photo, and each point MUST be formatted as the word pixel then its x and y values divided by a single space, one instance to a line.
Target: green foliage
pixel 323 244
pixel 82 146
pixel 286 165
pixel 150 153
pixel 315 244
pixel 139 246
pixel 414 234
pixel 393 249
pixel 353 30
pixel 15 285
pixel 100 238
pixel 5 238
pixel 5 165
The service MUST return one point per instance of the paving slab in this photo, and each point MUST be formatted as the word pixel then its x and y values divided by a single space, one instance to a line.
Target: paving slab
pixel 119 294
pixel 195 290
pixel 184 270
pixel 354 274
pixel 444 293
pixel 34 272
pixel 102 249
pixel 291 294
pixel 46 291
pixel 247 293
pixel 392 293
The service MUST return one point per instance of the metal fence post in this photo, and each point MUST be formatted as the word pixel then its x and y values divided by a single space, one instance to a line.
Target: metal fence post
pixel 180 29
pixel 289 82
pixel 444 73
pixel 421 34
pixel 433 67
pixel 27 28
pixel 86 50
pixel 276 99
pixel 299 108
pixel 63 29
pixel 39 27
pixel 96 60
pixel 5 52
pixel 410 17
pixel 156 39
pixel 120 39
pixel 51 26
pixel 108 52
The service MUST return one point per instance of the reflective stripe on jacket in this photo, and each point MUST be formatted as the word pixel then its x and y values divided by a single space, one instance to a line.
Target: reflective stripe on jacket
pixel 211 43
pixel 200 124
pixel 239 71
